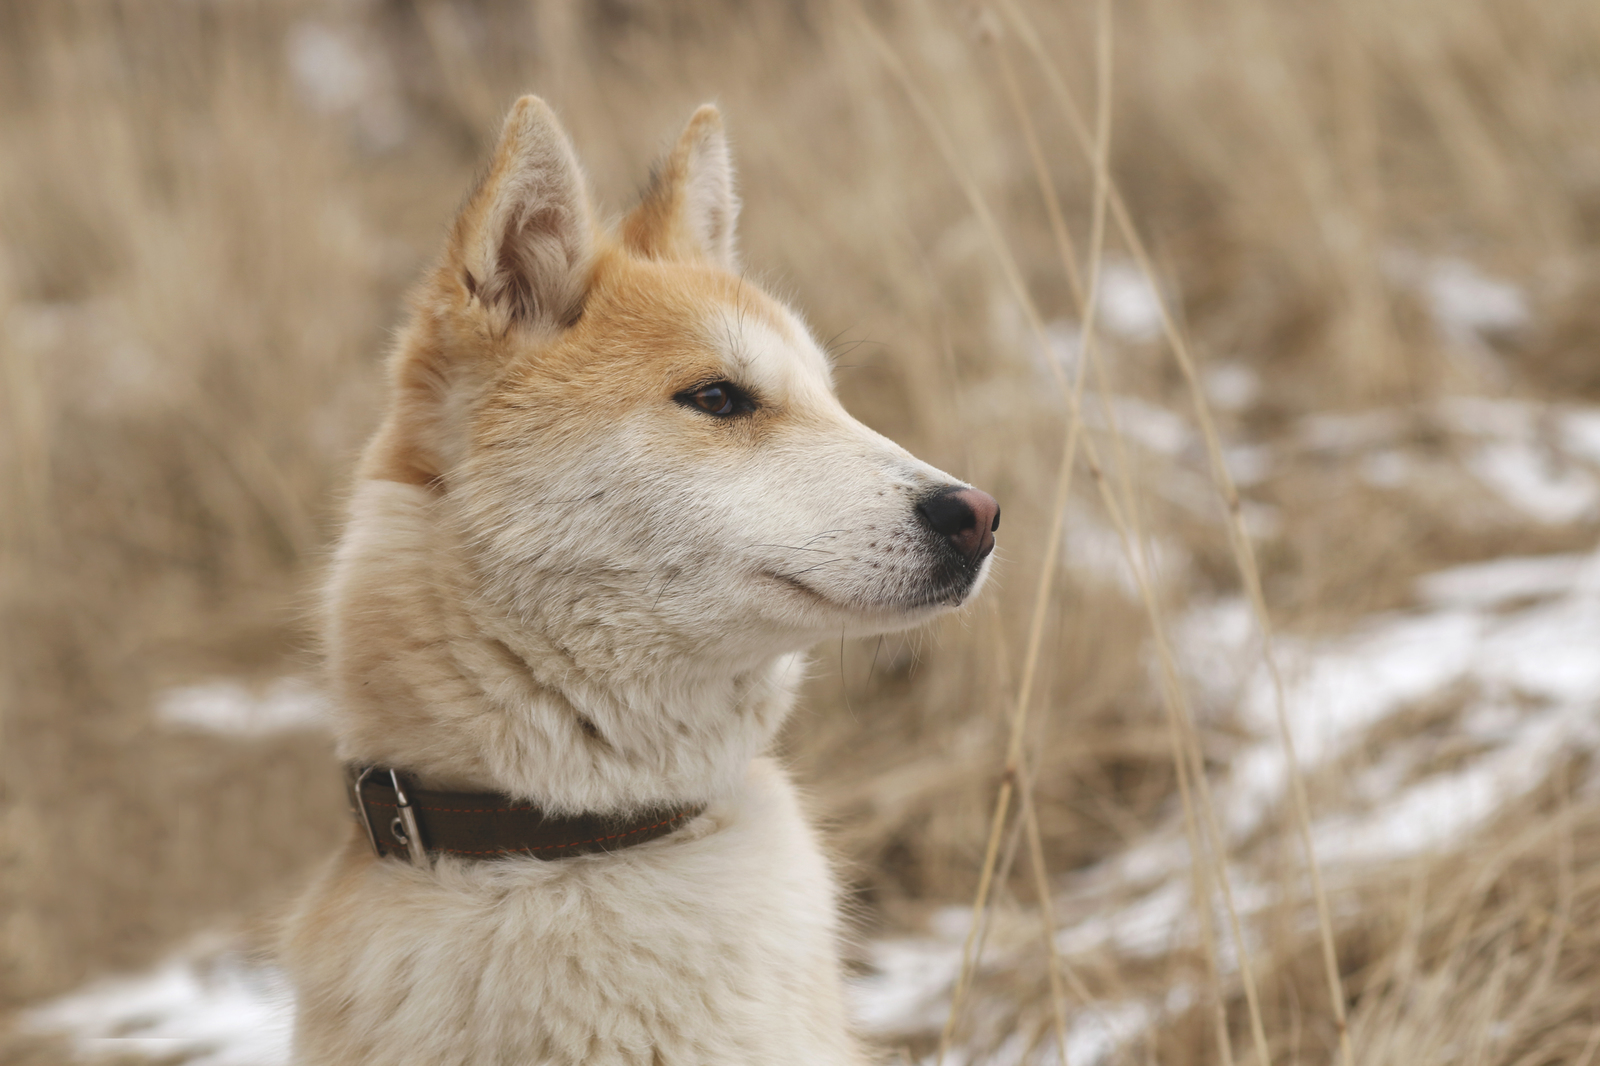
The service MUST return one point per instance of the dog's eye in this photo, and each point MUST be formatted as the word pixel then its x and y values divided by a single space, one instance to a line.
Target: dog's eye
pixel 721 398
pixel 714 400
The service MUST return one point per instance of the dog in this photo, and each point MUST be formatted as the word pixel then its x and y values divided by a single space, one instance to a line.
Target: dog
pixel 612 502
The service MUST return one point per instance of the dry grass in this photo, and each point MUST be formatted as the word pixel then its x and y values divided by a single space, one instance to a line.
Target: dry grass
pixel 199 264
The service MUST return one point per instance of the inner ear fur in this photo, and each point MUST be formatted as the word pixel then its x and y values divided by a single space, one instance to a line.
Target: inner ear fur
pixel 523 243
pixel 690 210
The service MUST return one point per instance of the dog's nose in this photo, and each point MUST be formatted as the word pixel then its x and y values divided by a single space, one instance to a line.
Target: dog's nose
pixel 968 517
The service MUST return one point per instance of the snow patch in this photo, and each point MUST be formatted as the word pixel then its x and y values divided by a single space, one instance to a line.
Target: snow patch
pixel 338 71
pixel 1144 928
pixel 1466 303
pixel 231 708
pixel 1543 460
pixel 908 988
pixel 1097 1034
pixel 1127 305
pixel 1488 585
pixel 1153 428
pixel 199 1008
pixel 1441 809
pixel 1506 646
pixel 1535 481
pixel 1532 665
pixel 1232 386
pixel 1093 550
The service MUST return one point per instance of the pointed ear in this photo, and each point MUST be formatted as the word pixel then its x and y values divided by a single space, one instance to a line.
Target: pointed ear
pixel 522 245
pixel 690 209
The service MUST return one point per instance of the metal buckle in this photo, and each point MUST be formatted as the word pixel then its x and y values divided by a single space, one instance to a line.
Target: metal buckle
pixel 403 828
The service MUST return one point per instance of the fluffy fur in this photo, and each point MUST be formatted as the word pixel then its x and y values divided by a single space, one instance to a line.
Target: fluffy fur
pixel 561 581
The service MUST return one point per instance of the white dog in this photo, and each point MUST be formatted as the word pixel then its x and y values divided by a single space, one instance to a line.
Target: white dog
pixel 613 500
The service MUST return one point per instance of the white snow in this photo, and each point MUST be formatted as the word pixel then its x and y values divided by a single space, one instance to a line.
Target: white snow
pixel 1535 481
pixel 1151 427
pixel 1232 386
pixel 1507 579
pixel 200 1008
pixel 331 71
pixel 1468 308
pixel 1127 305
pixel 1537 662
pixel 1127 308
pixel 1532 455
pixel 908 992
pixel 1543 460
pixel 1144 928
pixel 1095 1034
pixel 1517 638
pixel 1578 433
pixel 233 708
pixel 1350 431
pixel 1093 551
pixel 339 70
pixel 908 989
pixel 1443 808
pixel 1467 303
pixel 1390 468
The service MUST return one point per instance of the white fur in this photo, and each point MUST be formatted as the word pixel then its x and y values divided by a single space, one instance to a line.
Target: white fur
pixel 716 945
pixel 711 205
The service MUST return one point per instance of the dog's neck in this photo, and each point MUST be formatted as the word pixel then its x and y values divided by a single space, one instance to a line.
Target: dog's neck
pixel 433 678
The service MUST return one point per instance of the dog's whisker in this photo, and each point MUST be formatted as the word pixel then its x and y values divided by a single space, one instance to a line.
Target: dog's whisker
pixel 815 566
pixel 870 669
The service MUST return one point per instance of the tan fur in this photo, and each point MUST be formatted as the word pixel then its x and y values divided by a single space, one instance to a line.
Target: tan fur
pixel 560 582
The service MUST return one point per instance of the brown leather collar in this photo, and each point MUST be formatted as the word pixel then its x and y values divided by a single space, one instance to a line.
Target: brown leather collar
pixel 414 823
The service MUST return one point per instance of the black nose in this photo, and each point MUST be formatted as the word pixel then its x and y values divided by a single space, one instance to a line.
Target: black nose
pixel 968 517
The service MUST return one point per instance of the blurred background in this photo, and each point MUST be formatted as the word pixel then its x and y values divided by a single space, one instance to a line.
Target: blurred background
pixel 1275 328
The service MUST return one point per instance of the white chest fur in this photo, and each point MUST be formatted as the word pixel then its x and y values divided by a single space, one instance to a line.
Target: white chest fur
pixel 715 945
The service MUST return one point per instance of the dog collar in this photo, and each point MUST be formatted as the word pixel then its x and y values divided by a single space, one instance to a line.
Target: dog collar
pixel 414 823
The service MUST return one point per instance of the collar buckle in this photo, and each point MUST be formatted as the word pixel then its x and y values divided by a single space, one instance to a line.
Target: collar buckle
pixel 402 828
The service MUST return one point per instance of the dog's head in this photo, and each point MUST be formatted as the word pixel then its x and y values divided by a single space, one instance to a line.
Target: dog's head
pixel 638 445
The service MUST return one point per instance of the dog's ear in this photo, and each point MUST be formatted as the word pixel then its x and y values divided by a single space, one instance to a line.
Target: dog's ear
pixel 522 244
pixel 519 258
pixel 690 209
